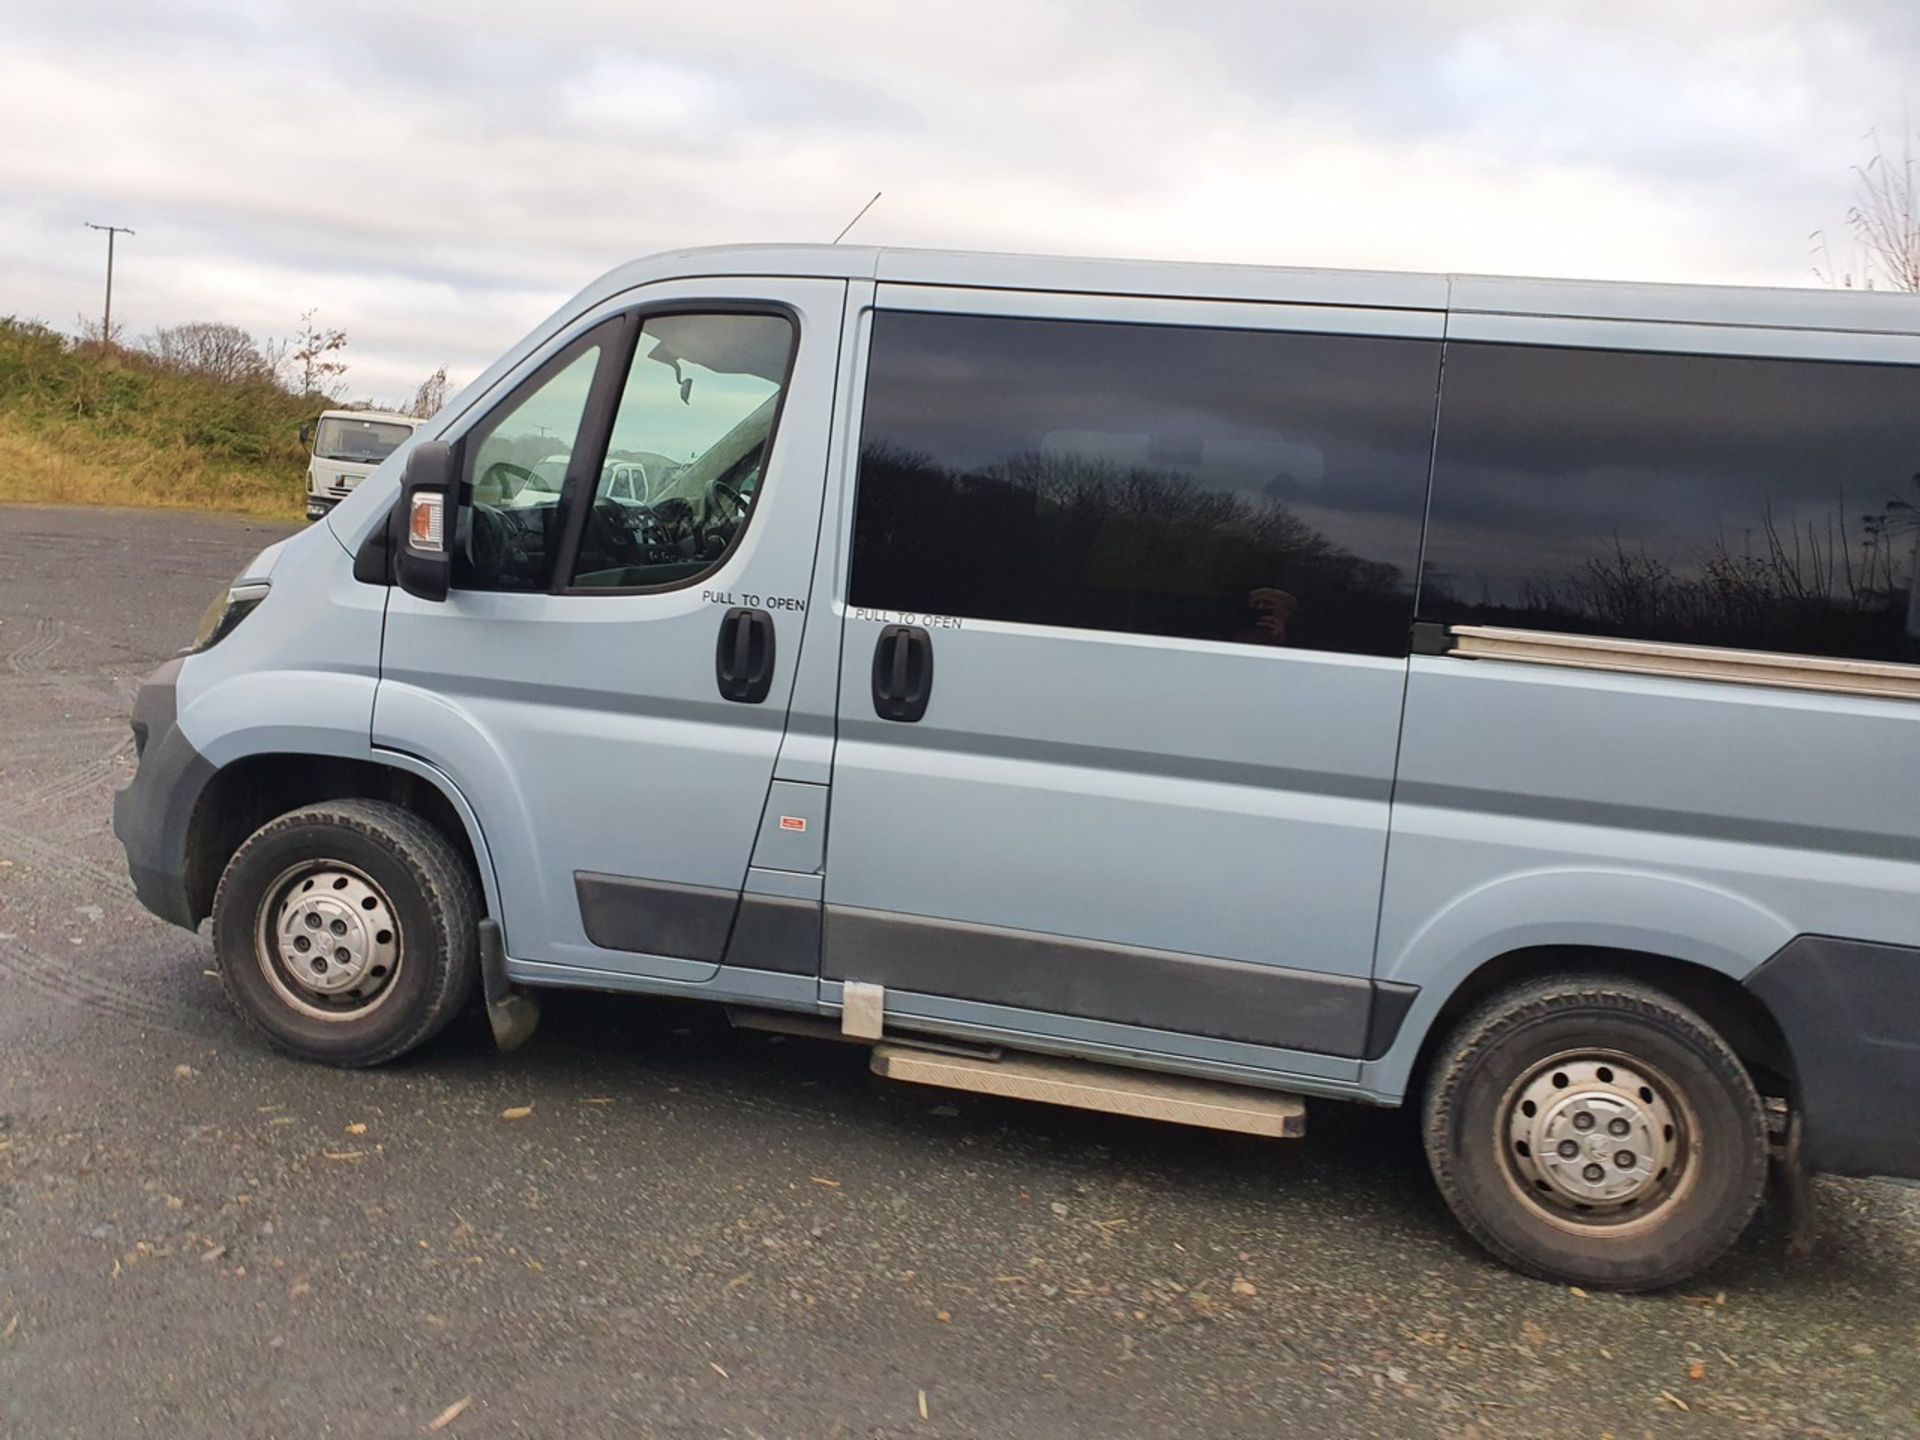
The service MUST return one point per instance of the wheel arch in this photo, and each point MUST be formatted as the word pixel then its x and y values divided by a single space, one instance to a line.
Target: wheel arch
pixel 247 792
pixel 1740 1016
pixel 1693 941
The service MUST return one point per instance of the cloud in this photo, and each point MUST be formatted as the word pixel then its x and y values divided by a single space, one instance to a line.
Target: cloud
pixel 435 183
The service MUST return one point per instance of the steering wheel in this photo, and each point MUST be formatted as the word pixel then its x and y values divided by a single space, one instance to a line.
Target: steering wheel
pixel 489 540
pixel 519 474
pixel 718 490
pixel 626 531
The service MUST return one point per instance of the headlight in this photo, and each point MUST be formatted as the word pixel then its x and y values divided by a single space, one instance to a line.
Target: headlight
pixel 228 609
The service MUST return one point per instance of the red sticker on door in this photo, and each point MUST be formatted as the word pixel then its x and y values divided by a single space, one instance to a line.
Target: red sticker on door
pixel 793 822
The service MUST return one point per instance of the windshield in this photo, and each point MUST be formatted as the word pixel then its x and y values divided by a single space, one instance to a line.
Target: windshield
pixel 367 442
pixel 550 474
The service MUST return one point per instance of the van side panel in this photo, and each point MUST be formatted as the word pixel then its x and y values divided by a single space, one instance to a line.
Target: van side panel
pixel 1637 501
pixel 1249 831
pixel 1710 823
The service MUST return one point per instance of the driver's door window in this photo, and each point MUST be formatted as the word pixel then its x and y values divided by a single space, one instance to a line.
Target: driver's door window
pixel 696 416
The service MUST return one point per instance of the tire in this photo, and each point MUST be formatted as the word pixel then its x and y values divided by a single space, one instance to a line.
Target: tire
pixel 1622 1054
pixel 371 884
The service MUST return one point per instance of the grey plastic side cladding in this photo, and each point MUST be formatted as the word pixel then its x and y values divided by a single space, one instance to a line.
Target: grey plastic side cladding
pixel 652 917
pixel 774 932
pixel 1391 1002
pixel 696 922
pixel 1851 1013
pixel 1196 994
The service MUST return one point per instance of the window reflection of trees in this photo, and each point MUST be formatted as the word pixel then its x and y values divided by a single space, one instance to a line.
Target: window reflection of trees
pixel 1076 541
pixel 1820 586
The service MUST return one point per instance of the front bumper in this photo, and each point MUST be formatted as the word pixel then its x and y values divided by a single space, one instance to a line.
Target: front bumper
pixel 153 815
pixel 1851 1014
pixel 319 505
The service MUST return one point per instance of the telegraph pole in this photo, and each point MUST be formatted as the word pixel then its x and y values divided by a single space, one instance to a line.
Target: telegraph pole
pixel 106 320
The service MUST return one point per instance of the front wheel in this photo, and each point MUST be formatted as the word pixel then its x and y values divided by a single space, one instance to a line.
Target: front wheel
pixel 346 932
pixel 1596 1131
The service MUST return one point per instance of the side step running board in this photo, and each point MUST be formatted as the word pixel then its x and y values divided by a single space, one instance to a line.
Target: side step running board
pixel 1085 1086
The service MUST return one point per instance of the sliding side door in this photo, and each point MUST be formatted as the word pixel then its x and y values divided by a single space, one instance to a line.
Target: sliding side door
pixel 1121 678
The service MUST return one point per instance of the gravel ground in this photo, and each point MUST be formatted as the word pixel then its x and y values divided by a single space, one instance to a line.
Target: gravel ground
pixel 695 1232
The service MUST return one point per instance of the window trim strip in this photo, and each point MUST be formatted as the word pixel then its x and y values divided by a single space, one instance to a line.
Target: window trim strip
pixel 467 444
pixel 596 429
pixel 1874 678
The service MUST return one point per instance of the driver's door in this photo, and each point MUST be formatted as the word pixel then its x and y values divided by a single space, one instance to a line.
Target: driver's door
pixel 607 683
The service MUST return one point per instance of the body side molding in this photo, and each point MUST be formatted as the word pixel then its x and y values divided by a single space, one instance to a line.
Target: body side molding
pixel 699 922
pixel 1163 990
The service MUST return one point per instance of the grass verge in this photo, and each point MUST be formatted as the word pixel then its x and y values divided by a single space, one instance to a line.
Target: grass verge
pixel 79 426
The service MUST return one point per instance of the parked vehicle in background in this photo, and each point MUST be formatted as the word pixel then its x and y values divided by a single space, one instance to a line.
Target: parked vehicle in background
pixel 1179 690
pixel 624 480
pixel 346 446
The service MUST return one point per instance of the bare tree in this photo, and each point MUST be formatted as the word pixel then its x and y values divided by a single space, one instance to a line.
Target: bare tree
pixel 88 332
pixel 1884 220
pixel 315 356
pixel 431 395
pixel 202 347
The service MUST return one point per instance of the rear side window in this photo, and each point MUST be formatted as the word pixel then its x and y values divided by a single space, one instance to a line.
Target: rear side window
pixel 1232 485
pixel 1757 504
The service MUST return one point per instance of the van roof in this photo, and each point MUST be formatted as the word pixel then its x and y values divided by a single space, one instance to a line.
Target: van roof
pixel 1807 307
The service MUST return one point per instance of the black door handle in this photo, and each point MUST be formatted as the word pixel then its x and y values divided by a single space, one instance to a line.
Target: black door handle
pixel 743 659
pixel 902 673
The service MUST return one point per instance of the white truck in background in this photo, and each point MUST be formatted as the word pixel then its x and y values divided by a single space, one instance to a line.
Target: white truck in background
pixel 344 447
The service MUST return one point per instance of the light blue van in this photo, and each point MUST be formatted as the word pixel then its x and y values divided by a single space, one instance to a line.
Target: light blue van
pixel 1179 690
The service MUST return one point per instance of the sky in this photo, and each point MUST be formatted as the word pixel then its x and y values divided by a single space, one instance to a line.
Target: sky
pixel 434 180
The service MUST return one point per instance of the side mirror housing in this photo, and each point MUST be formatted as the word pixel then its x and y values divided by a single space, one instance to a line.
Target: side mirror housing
pixel 429 516
pixel 306 434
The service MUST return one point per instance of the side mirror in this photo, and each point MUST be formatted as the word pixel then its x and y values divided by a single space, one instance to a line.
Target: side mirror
pixel 429 512
pixel 306 434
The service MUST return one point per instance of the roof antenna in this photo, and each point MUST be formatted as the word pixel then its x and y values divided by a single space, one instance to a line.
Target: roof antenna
pixel 856 219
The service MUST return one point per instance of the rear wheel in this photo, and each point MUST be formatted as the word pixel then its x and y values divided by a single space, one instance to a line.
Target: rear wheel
pixel 1596 1131
pixel 346 931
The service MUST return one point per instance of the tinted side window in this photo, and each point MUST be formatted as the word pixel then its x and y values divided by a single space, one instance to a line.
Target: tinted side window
pixel 1761 504
pixel 1234 485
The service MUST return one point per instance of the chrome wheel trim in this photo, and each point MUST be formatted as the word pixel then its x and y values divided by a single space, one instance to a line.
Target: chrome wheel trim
pixel 1597 1140
pixel 328 940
